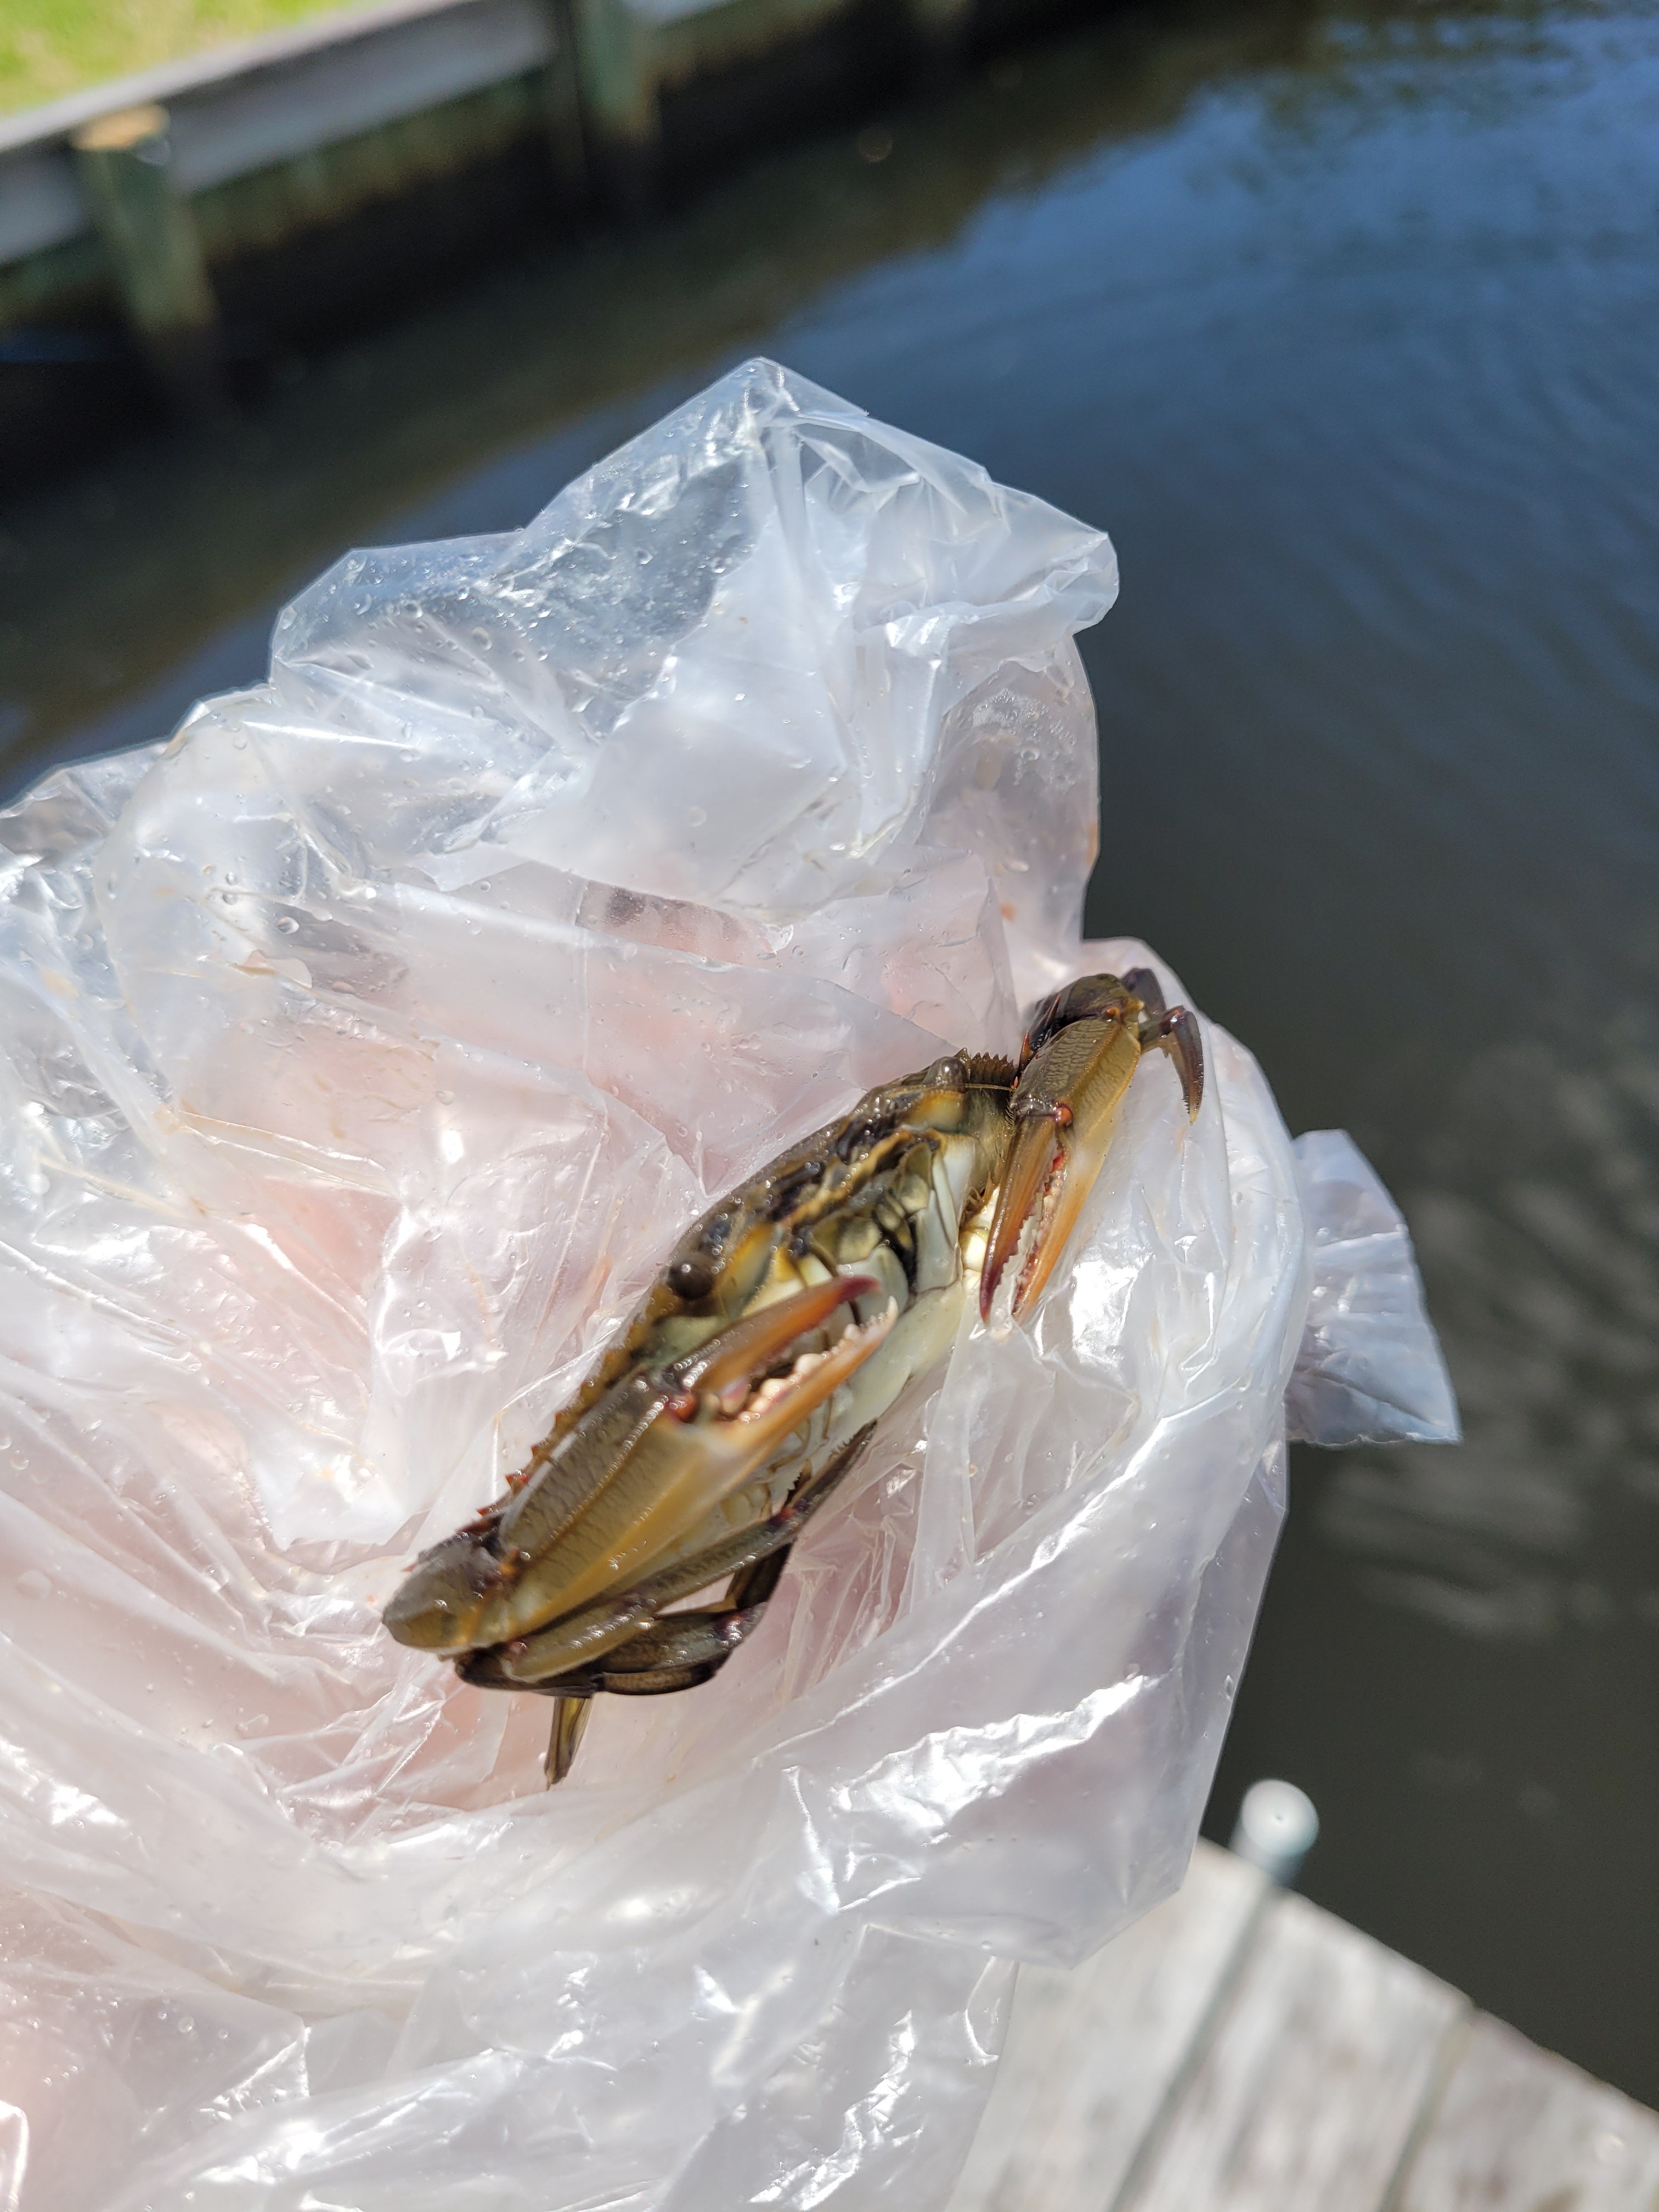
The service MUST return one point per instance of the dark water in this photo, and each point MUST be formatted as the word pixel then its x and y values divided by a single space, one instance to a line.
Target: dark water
pixel 1346 325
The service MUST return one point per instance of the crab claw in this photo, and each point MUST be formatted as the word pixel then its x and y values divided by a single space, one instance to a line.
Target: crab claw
pixel 1082 1046
pixel 1064 1109
pixel 1179 1035
pixel 643 1467
pixel 1174 1030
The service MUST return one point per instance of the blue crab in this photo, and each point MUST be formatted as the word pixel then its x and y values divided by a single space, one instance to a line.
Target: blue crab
pixel 751 1378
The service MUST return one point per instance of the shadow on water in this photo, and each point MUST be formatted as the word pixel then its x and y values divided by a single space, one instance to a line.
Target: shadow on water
pixel 1342 322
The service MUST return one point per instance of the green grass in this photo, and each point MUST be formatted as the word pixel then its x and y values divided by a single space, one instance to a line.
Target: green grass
pixel 51 47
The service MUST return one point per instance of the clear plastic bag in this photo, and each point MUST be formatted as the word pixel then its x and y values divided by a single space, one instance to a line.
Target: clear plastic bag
pixel 362 1051
pixel 1369 1369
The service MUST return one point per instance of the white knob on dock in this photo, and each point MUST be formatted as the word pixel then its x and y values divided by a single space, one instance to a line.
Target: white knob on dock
pixel 1277 1828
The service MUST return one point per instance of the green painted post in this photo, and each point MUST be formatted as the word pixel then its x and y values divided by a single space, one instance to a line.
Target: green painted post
pixel 616 75
pixel 124 162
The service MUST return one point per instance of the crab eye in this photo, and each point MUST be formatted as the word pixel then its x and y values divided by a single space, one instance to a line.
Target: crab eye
pixel 690 1280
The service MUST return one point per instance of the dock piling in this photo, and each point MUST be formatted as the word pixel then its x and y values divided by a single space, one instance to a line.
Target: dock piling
pixel 616 72
pixel 124 164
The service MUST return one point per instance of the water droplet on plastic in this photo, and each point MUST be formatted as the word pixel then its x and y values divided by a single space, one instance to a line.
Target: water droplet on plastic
pixel 697 816
pixel 446 1098
pixel 33 1584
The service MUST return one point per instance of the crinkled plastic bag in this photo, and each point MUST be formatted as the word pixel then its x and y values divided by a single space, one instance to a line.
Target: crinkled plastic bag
pixel 363 1050
pixel 1369 1369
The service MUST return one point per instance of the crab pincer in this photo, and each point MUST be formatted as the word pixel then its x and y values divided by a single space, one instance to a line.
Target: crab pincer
pixel 1082 1047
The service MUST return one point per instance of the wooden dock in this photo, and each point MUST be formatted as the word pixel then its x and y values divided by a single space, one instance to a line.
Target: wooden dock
pixel 195 219
pixel 1240 2051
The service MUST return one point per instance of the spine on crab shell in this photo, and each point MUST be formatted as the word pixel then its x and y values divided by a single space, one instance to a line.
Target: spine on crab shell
pixel 988 1071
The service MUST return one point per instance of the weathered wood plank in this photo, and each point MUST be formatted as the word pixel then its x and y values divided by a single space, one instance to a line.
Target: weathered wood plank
pixel 338 92
pixel 385 27
pixel 1321 2061
pixel 1519 2130
pixel 1091 2055
pixel 278 101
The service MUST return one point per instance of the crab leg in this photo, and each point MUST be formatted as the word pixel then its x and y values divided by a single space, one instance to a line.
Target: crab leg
pixel 677 1651
pixel 653 1656
pixel 718 1420
pixel 529 1662
pixel 641 1469
pixel 570 1719
pixel 680 1650
pixel 676 1654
